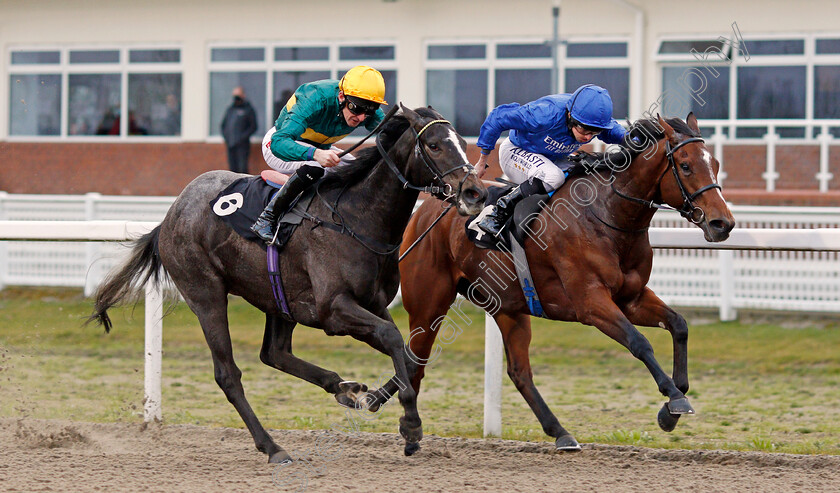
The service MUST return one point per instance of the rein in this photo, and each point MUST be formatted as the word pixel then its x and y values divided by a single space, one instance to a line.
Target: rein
pixel 444 192
pixel 689 211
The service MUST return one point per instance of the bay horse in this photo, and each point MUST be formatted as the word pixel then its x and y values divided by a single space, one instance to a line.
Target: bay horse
pixel 590 263
pixel 339 278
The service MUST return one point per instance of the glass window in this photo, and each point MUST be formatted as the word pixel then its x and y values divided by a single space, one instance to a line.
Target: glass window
pixel 685 47
pixel 459 95
pixel 595 50
pixel 285 84
pixel 614 80
pixel 826 91
pixel 154 56
pixel 154 104
pixel 294 53
pixel 35 104
pixel 94 104
pixel 775 47
pixel 94 56
pixel 237 54
pixel 828 46
pixel 683 91
pixel 541 50
pixel 221 86
pixel 521 85
pixel 366 53
pixel 445 52
pixel 35 57
pixel 771 92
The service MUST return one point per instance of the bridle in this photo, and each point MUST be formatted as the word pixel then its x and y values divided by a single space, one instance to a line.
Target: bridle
pixel 443 191
pixel 689 211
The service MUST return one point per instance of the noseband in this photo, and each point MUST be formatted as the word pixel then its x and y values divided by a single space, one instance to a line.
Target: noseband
pixel 443 191
pixel 688 210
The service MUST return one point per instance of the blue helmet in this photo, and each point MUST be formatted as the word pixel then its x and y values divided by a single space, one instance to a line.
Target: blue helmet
pixel 591 106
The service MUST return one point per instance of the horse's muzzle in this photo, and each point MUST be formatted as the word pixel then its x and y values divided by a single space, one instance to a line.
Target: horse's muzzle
pixel 471 199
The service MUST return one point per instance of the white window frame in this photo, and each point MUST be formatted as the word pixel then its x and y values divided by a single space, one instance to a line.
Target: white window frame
pixel 333 65
pixel 809 59
pixel 64 68
pixel 491 62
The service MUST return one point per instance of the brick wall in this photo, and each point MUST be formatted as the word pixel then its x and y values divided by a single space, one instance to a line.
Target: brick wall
pixel 164 169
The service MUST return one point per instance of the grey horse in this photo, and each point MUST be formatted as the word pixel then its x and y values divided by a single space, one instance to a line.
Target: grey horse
pixel 339 274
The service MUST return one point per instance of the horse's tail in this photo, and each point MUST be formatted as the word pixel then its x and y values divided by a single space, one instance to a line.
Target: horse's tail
pixel 123 282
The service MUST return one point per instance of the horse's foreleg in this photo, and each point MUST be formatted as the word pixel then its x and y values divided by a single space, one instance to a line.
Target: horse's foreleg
pixel 516 334
pixel 609 319
pixel 650 311
pixel 277 353
pixel 212 315
pixel 344 316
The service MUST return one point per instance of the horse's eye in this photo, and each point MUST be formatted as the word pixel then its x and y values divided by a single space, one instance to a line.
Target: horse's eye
pixel 433 147
pixel 685 167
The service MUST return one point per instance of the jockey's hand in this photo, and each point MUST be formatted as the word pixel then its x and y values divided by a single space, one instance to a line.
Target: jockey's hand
pixel 326 158
pixel 481 166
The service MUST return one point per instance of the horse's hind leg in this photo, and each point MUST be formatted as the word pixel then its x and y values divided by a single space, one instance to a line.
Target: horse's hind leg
pixel 212 315
pixel 516 334
pixel 277 353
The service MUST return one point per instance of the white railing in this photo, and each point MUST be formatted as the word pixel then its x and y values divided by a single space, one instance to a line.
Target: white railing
pixel 772 133
pixel 742 279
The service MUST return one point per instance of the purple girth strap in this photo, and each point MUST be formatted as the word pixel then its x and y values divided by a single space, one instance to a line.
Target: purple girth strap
pixel 273 259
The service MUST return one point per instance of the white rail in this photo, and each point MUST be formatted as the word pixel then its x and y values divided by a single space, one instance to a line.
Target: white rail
pixel 823 239
pixel 810 240
pixel 109 231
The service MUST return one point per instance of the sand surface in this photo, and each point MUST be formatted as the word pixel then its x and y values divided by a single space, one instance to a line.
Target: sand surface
pixel 51 455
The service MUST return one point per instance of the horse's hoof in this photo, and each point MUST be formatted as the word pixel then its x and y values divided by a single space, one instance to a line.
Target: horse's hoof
pixel 412 434
pixel 356 396
pixel 680 406
pixel 666 420
pixel 351 387
pixel 280 457
pixel 411 448
pixel 567 443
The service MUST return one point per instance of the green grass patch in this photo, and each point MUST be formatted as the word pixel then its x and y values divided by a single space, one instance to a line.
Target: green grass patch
pixel 755 387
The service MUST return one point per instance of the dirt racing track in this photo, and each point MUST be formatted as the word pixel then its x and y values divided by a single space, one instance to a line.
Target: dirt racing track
pixel 40 455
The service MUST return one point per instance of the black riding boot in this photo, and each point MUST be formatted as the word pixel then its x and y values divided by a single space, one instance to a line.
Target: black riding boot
pixel 266 225
pixel 494 221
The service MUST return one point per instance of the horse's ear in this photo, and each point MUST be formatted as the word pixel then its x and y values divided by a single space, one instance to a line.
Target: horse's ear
pixel 691 120
pixel 411 115
pixel 669 131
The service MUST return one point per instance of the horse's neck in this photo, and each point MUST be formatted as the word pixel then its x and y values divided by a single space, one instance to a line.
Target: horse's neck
pixel 640 180
pixel 386 204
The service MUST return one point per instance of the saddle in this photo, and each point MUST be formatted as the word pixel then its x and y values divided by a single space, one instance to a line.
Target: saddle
pixel 240 204
pixel 515 224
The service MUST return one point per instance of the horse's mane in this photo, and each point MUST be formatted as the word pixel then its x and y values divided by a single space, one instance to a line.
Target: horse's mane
pixel 367 158
pixel 647 132
pixel 641 135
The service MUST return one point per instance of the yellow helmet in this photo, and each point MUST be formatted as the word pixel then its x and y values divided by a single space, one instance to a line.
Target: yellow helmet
pixel 364 82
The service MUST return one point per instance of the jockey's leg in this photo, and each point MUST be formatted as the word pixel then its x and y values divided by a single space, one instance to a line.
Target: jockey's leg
pixel 302 175
pixel 305 177
pixel 534 172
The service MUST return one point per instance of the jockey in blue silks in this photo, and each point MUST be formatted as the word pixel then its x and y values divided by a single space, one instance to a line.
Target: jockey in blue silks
pixel 543 133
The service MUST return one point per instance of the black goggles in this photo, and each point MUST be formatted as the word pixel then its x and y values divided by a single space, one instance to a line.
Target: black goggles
pixel 362 109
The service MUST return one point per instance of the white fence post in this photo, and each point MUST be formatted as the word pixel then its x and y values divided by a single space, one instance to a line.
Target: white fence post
pixel 153 353
pixel 91 248
pixel 727 286
pixel 493 354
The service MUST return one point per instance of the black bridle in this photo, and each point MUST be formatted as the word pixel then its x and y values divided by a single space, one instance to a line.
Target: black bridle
pixel 689 211
pixel 443 191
